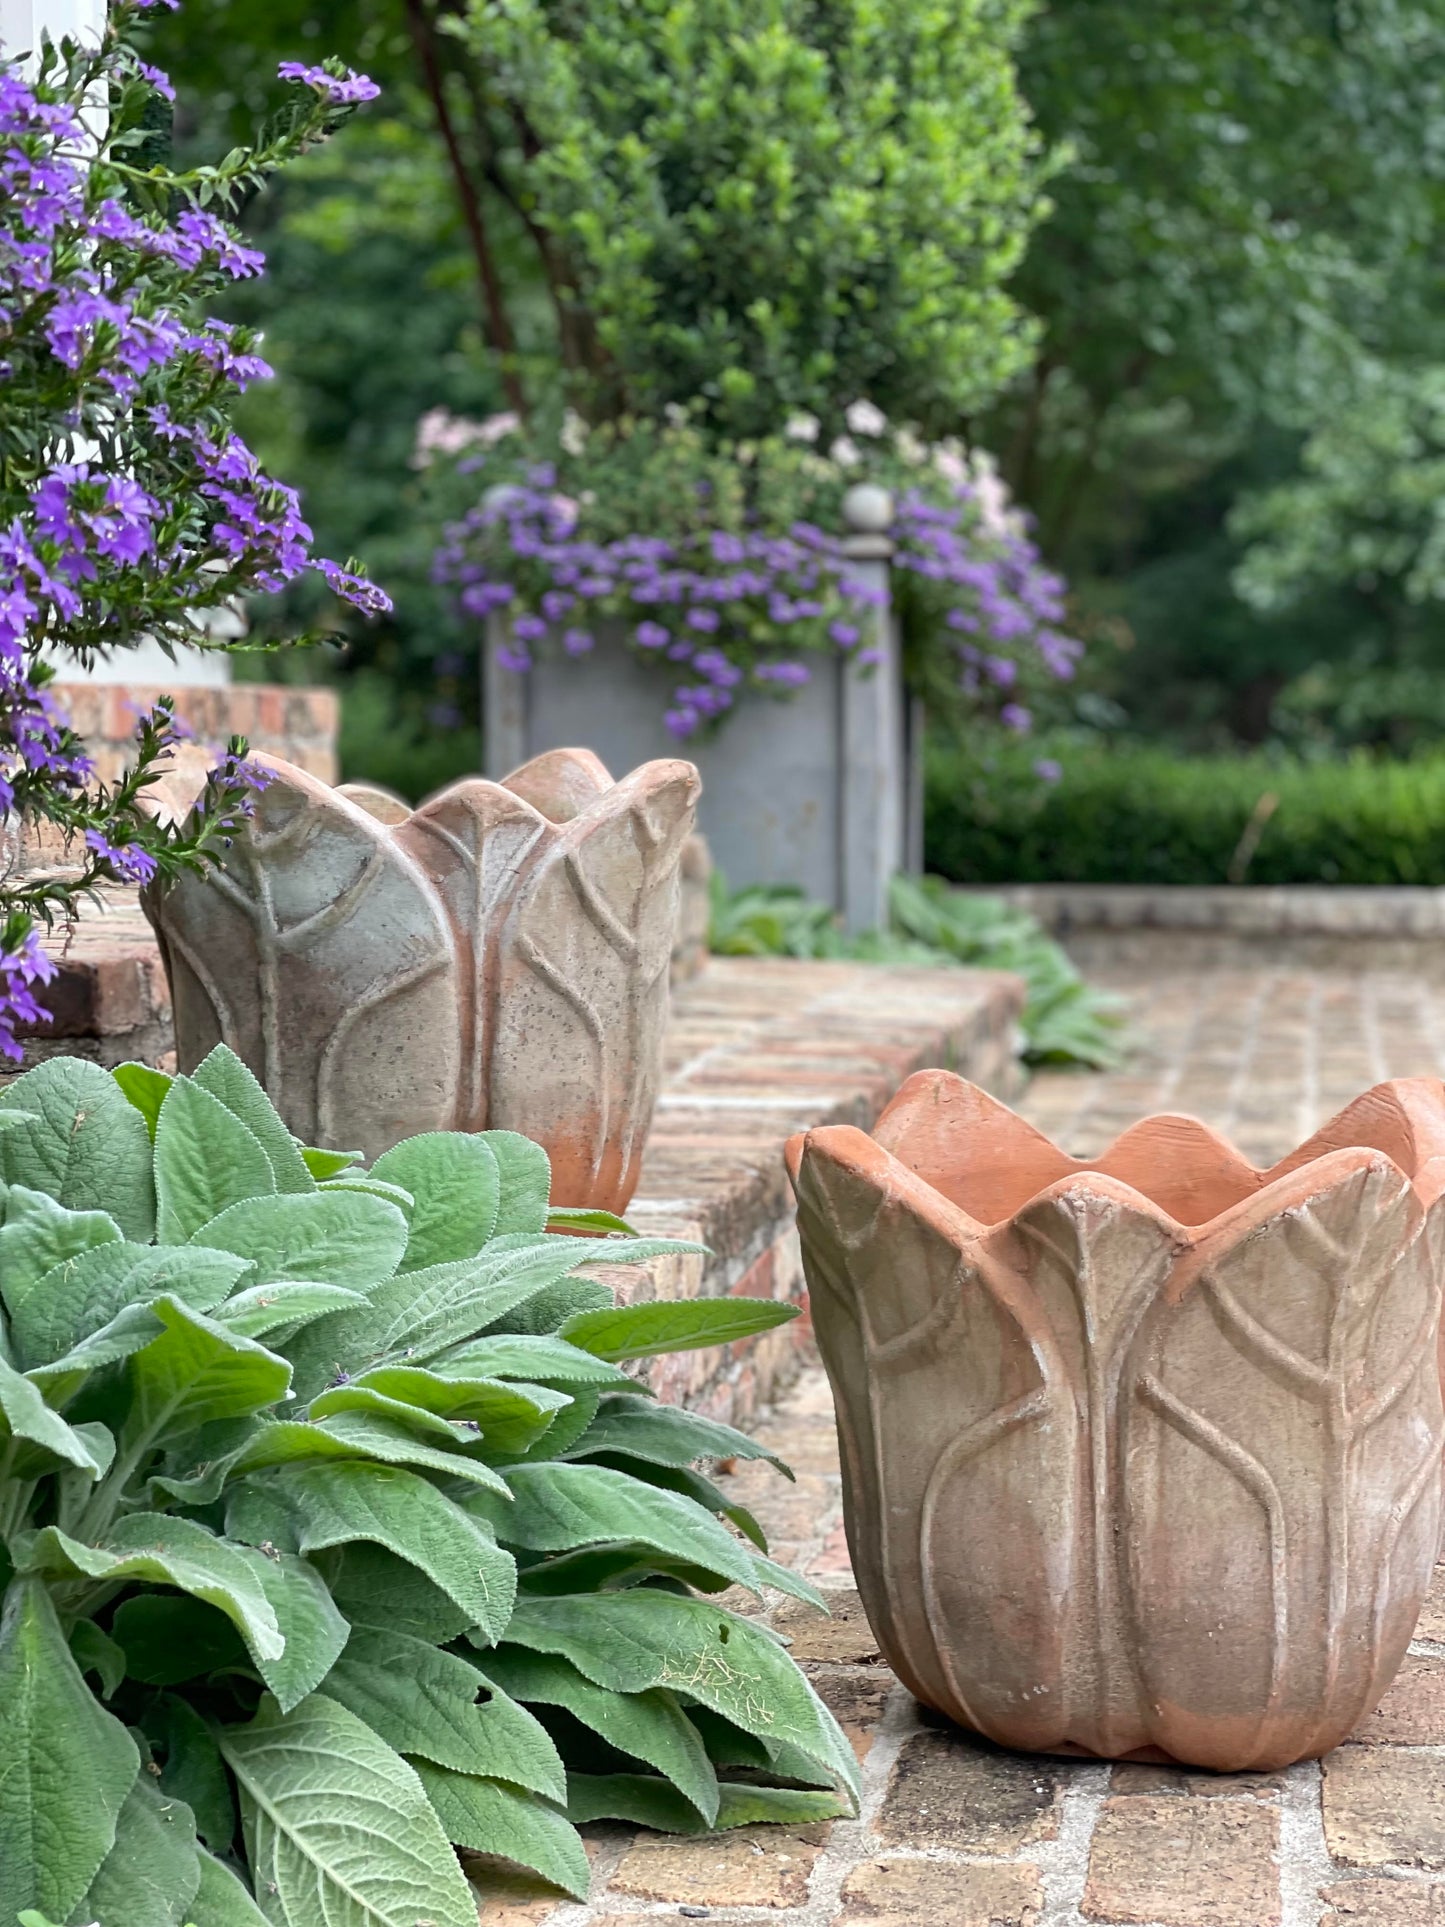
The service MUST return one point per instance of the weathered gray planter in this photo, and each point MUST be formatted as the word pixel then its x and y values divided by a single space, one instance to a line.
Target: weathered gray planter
pixel 820 788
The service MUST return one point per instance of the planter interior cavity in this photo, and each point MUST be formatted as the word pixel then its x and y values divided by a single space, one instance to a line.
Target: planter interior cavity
pixel 1141 1453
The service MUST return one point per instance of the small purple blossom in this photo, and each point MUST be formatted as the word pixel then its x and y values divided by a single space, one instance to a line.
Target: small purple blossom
pixel 362 595
pixel 1015 716
pixel 1047 770
pixel 159 80
pixel 23 965
pixel 651 635
pixel 791 675
pixel 127 862
pixel 578 642
pixel 347 89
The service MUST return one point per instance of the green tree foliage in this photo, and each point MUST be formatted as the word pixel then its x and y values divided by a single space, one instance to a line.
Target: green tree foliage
pixel 1239 248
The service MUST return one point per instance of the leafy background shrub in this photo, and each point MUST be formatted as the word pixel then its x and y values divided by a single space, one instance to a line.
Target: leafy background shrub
pixel 1132 814
pixel 305 1465
pixel 1065 1020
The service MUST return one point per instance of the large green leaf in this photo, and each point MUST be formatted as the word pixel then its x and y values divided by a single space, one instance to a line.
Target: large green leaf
pixel 205 1160
pixel 130 1331
pixel 145 1088
pixel 356 1499
pixel 510 1414
pixel 359 1435
pixel 367 1401
pixel 168 1551
pixel 562 1507
pixel 80 1296
pixel 666 1434
pixel 191 1768
pixel 678 1478
pixel 651 1726
pixel 564 1431
pixel 168 1637
pixel 89 1149
pixel 24 1415
pixel 495 1819
pixel 373 1587
pixel 525 1182
pixel 653 1803
pixel 197 1371
pixel 311 1626
pixel 543 1359
pixel 328 1164
pixel 37 1235
pixel 222 1900
pixel 455 1184
pixel 283 1307
pixel 423 1701
pixel 338 1829
pixel 335 1237
pixel 226 1077
pixel 632 1641
pixel 673 1325
pixel 66 1765
pixel 152 1873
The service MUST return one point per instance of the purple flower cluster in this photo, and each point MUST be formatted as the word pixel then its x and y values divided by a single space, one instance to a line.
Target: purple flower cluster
pixel 728 609
pixel 346 89
pixel 23 965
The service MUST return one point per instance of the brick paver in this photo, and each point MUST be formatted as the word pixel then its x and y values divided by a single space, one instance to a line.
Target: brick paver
pixel 955 1833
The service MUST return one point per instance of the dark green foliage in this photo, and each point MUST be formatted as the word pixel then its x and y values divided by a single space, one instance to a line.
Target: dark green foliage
pixel 1135 814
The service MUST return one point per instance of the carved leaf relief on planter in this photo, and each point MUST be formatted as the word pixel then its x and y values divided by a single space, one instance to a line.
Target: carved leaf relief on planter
pixel 497 958
pixel 1141 1454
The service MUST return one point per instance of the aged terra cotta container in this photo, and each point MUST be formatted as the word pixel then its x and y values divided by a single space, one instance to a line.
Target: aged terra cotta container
pixel 1142 1454
pixel 495 959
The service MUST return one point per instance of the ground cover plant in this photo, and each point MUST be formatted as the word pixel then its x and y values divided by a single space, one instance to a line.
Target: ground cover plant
pixel 334 1534
pixel 1065 1019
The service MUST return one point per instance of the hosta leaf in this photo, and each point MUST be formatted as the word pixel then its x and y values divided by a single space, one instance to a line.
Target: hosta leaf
pixel 353 1499
pixel 562 1507
pixel 373 1587
pixel 495 1819
pixel 222 1900
pixel 544 1360
pixel 168 1551
pixel 191 1768
pixel 197 1371
pixel 89 1148
pixel 667 1435
pixel 422 1701
pixel 511 1415
pixel 653 1803
pixel 311 1626
pixel 337 1826
pixel 646 1331
pixel 454 1181
pixel 82 1295
pixel 25 1416
pixel 151 1874
pixel 38 1234
pixel 360 1435
pixel 66 1765
pixel 286 1306
pixel 328 1164
pixel 145 1089
pixel 227 1078
pixel 167 1638
pixel 651 1726
pixel 341 1237
pixel 525 1182
pixel 635 1640
pixel 206 1159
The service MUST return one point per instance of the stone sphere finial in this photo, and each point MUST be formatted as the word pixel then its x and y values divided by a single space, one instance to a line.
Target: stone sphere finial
pixel 868 509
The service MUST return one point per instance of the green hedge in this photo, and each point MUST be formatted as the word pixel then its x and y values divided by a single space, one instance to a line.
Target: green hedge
pixel 1128 814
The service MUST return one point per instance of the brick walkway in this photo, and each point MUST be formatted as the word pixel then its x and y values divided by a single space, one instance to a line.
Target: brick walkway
pixel 957 1834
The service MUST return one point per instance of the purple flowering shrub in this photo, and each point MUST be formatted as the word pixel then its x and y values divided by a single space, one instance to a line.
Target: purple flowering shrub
pixel 725 564
pixel 128 506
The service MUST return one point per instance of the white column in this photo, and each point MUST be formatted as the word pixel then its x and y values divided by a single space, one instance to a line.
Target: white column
pixel 23 21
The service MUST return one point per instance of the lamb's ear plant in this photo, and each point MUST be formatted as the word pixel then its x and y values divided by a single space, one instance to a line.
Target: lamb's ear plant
pixel 334 1535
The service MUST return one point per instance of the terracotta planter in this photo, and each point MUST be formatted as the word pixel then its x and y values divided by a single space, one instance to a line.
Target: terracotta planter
pixel 497 958
pixel 1142 1455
